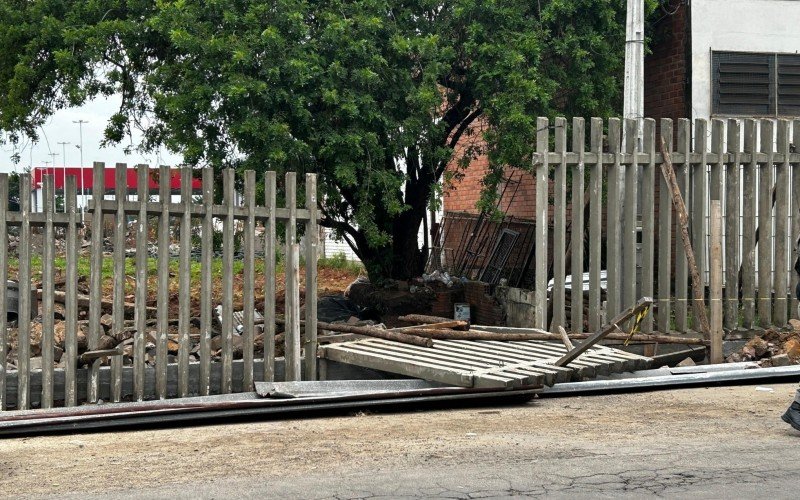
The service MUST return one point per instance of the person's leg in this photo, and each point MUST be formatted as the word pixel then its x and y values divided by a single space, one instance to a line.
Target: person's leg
pixel 792 415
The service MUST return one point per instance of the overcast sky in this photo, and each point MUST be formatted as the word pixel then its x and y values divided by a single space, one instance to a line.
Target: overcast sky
pixel 60 128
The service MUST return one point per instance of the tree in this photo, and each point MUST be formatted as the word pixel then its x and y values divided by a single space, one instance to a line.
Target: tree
pixel 372 95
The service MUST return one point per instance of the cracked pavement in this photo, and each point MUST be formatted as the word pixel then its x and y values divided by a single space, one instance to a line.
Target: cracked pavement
pixel 699 443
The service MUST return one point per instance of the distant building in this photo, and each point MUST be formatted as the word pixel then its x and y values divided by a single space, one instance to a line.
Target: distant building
pixel 84 180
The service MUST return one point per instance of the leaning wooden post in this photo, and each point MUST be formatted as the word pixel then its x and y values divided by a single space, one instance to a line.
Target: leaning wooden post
pixel 683 221
pixel 715 279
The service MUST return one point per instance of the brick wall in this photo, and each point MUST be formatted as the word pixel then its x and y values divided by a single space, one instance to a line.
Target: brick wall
pixel 666 69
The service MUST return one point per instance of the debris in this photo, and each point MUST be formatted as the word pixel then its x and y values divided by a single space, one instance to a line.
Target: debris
pixel 687 362
pixel 376 332
pixel 765 389
pixel 565 338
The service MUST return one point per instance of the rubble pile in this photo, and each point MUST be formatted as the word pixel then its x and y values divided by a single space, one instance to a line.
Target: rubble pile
pixel 773 347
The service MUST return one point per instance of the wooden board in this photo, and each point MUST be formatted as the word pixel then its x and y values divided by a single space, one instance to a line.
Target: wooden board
pixel 473 363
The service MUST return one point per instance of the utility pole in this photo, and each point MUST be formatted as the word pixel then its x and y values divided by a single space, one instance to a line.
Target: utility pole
pixel 64 166
pixel 80 148
pixel 633 104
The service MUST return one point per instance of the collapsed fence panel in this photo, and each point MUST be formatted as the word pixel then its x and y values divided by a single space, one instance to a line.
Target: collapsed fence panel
pixel 156 333
pixel 630 233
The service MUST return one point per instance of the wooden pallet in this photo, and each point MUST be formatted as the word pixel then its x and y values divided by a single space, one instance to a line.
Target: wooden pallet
pixel 483 364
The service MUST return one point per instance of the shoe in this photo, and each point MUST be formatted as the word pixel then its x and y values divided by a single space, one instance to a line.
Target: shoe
pixel 792 416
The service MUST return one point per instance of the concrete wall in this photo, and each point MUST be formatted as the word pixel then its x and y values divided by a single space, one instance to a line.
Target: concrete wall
pixel 737 26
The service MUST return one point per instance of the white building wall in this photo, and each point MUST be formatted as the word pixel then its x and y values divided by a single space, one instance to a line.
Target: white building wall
pixel 737 26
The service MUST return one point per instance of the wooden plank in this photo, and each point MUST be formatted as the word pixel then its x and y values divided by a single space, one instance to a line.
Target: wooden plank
pixel 228 177
pixel 595 226
pixel 292 336
pixel 96 279
pixel 629 217
pixel 732 227
pixel 749 184
pixel 311 239
pixel 665 239
pixel 681 264
pixel 764 256
pixel 269 280
pixel 248 284
pixel 641 307
pixel 614 222
pixel 140 295
pixel 683 222
pixel 48 287
pixel 648 217
pixel 699 198
pixel 577 230
pixel 3 286
pixel 559 226
pixel 206 282
pixel 120 240
pixel 782 270
pixel 542 204
pixel 795 234
pixel 163 282
pixel 71 292
pixel 185 283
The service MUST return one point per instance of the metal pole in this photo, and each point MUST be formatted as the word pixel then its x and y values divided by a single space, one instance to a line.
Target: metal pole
pixel 633 103
pixel 64 168
pixel 80 148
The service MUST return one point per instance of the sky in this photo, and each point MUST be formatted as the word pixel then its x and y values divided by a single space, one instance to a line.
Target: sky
pixel 60 128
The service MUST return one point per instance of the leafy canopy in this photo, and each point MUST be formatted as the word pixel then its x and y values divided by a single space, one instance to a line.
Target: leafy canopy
pixel 372 95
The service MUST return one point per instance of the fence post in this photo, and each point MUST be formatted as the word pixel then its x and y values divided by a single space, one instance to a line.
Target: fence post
pixel 648 215
pixel 3 286
pixel 614 221
pixel 749 225
pixel 559 225
pixel 269 286
pixel 312 235
pixel 629 215
pixel 185 281
pixel 681 264
pixel 120 196
pixel 576 239
pixel 699 199
pixel 162 322
pixel 206 285
pixel 48 289
pixel 227 280
pixel 795 219
pixel 715 281
pixel 248 285
pixel 595 223
pixel 665 237
pixel 542 202
pixel 96 277
pixel 781 284
pixel 71 292
pixel 140 311
pixel 732 232
pixel 765 184
pixel 292 334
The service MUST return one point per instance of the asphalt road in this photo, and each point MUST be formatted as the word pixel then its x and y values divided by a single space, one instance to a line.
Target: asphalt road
pixel 699 443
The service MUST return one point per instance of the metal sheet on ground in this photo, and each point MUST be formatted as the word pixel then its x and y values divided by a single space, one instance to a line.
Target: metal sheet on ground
pixel 480 363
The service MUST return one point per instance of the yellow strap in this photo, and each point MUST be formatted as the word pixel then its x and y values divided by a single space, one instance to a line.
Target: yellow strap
pixel 637 324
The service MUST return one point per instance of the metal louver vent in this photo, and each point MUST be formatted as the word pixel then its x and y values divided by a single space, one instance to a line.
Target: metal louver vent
pixel 743 83
pixel 789 85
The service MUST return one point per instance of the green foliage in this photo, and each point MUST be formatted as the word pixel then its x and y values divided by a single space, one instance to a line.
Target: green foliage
pixel 340 262
pixel 370 95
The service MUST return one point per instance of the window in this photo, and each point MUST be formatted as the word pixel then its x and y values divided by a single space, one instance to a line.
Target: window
pixel 756 84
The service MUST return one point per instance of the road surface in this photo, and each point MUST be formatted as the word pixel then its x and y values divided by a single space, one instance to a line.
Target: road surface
pixel 700 443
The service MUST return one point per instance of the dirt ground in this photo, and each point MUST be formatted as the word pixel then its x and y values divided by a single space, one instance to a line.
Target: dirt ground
pixel 685 428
